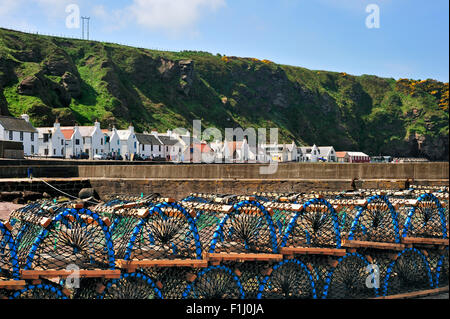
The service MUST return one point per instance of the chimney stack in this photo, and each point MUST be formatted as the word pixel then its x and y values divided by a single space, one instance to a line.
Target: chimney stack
pixel 26 117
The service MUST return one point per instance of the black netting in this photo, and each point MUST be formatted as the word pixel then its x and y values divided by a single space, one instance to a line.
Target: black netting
pixel 154 233
pixel 376 221
pixel 349 279
pixel 248 229
pixel 425 219
pixel 88 288
pixel 316 226
pixel 131 286
pixel 250 274
pixel 172 281
pixel 44 290
pixel 215 282
pixel 9 267
pixel 207 222
pixel 409 272
pixel 72 238
pixel 286 280
pixel 168 232
pixel 346 213
pixel 442 269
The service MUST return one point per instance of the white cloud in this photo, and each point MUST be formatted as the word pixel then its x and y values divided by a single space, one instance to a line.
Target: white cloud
pixel 9 18
pixel 99 11
pixel 354 6
pixel 172 16
pixel 55 8
pixel 7 7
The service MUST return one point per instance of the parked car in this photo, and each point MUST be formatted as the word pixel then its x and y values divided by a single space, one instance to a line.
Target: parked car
pixel 100 157
pixel 137 157
pixel 84 156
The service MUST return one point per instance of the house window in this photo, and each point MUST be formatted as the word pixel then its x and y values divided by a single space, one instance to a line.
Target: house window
pixel 118 142
pixel 101 142
pixel 84 140
pixel 10 135
pixel 143 147
pixel 62 151
pixel 77 142
pixel 45 138
pixel 62 142
pixel 32 146
pixel 135 145
pixel 32 137
pixel 46 151
pixel 21 136
pixel 54 151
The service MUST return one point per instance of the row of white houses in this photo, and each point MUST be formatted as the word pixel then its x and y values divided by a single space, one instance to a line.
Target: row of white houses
pixel 241 150
pixel 73 141
pixel 93 142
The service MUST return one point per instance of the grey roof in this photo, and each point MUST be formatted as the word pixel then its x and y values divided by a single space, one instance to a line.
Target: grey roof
pixel 324 150
pixel 166 140
pixel 147 139
pixel 14 124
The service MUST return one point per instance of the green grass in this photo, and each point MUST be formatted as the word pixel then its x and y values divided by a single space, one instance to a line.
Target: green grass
pixel 121 84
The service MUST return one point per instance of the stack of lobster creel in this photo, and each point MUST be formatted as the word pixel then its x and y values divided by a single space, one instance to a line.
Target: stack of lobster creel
pixel 340 245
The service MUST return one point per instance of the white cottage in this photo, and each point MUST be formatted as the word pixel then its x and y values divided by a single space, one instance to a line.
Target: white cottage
pixel 74 141
pixel 20 130
pixel 316 154
pixel 175 147
pixel 149 146
pixel 281 152
pixel 93 140
pixel 112 140
pixel 327 153
pixel 310 153
pixel 52 142
pixel 128 142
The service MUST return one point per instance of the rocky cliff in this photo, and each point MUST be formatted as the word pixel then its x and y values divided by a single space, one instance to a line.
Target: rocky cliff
pixel 81 81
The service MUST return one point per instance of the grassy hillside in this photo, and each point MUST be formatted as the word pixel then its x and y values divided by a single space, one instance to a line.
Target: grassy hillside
pixel 81 81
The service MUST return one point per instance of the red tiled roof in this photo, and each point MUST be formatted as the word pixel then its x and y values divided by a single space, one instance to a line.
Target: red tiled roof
pixel 341 154
pixel 67 133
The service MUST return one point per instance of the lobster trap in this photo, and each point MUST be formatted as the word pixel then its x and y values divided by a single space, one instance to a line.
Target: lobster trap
pixel 248 228
pixel 215 282
pixel 165 235
pixel 315 225
pixel 376 221
pixel 269 246
pixel 351 277
pixel 409 271
pixel 45 290
pixel 78 238
pixel 426 219
pixel 130 286
pixel 289 279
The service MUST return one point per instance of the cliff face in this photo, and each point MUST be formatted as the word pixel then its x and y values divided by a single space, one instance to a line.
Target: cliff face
pixel 81 81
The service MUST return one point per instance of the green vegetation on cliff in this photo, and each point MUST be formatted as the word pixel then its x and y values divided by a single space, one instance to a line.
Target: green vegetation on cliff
pixel 81 81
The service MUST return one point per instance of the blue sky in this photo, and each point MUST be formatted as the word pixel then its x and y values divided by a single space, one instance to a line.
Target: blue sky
pixel 412 41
